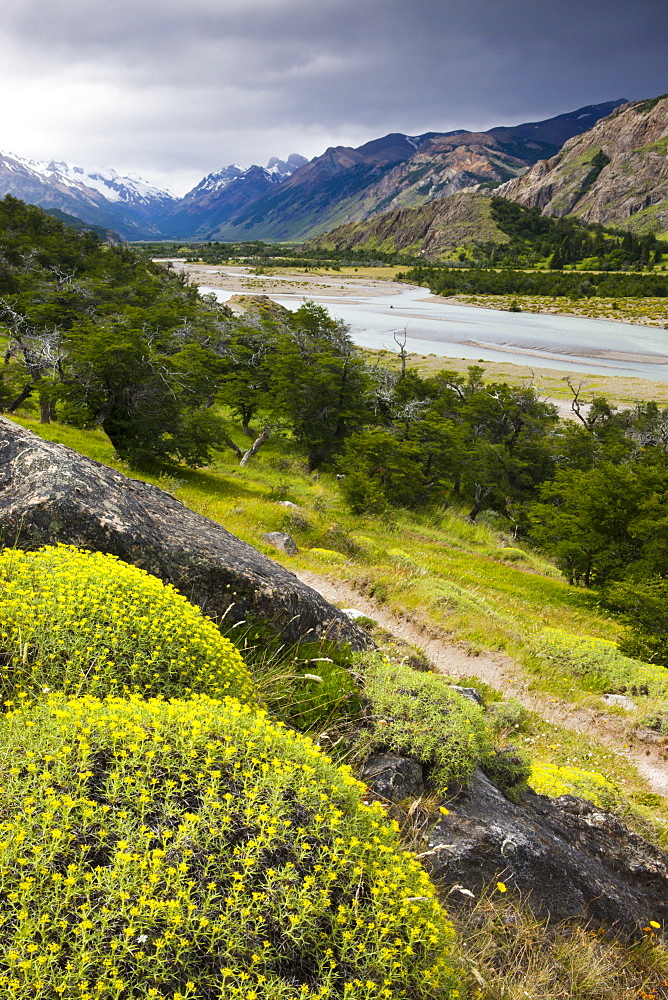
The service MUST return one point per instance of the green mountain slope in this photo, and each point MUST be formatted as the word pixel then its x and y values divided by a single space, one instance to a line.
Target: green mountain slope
pixel 108 235
pixel 433 230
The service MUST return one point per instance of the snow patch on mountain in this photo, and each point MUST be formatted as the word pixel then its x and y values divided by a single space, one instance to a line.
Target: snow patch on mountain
pixel 277 170
pixel 113 187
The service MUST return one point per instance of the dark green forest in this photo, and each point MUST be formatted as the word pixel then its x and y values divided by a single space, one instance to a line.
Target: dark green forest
pixel 560 284
pixel 255 253
pixel 96 334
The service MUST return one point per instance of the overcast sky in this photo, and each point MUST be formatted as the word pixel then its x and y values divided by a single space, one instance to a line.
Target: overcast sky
pixel 174 89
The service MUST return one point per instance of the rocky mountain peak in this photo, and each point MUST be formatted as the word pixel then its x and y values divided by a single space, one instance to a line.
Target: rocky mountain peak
pixel 616 173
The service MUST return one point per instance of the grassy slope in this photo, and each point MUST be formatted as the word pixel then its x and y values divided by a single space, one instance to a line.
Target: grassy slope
pixel 435 228
pixel 454 576
pixel 463 582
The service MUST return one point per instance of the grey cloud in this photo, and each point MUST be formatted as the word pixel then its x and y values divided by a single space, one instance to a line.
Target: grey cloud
pixel 194 84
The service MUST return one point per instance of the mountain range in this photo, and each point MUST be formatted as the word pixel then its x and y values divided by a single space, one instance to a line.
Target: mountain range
pixel 296 199
pixel 102 197
pixel 615 173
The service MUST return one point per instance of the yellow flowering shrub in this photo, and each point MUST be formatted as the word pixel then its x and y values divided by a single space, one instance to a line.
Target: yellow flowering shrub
pixel 552 780
pixel 598 662
pixel 87 623
pixel 197 849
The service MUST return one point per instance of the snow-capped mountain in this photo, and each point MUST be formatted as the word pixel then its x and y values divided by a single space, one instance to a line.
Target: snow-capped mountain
pixel 101 197
pixel 275 171
pixel 223 194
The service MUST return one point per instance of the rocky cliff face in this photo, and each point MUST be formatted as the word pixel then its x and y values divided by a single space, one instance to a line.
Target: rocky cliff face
pixel 616 173
pixel 442 168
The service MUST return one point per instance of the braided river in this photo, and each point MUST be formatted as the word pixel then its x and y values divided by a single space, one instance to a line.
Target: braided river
pixel 435 326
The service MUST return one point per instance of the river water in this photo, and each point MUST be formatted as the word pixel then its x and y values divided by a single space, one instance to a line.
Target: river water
pixel 566 343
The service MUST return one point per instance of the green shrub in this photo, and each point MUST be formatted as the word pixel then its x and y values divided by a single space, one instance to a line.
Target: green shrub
pixel 195 849
pixel 327 555
pixel 84 622
pixel 658 721
pixel 549 779
pixel 510 716
pixel 598 663
pixel 419 715
pixel 510 554
pixel 508 768
pixel 644 609
pixel 405 561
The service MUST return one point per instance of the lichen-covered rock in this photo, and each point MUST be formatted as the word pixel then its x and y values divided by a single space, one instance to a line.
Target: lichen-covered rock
pixel 51 494
pixel 566 857
pixel 394 777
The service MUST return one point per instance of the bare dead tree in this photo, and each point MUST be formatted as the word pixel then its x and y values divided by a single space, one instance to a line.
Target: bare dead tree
pixel 255 447
pixel 40 351
pixel 400 338
pixel 576 402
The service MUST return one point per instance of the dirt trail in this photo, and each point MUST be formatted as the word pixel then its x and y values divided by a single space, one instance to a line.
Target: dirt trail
pixel 505 675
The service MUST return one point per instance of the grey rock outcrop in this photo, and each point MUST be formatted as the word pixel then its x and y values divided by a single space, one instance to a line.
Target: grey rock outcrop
pixel 619 701
pixel 51 494
pixel 565 857
pixel 279 540
pixel 466 692
pixel 393 777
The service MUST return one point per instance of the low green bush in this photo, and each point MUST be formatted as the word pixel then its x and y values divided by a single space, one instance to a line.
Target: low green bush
pixel 87 623
pixel 658 721
pixel 419 715
pixel 194 849
pixel 510 716
pixel 508 768
pixel 643 607
pixel 598 663
pixel 510 554
pixel 327 555
pixel 405 561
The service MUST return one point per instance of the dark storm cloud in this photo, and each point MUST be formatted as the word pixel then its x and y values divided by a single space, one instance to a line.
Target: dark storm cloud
pixel 183 88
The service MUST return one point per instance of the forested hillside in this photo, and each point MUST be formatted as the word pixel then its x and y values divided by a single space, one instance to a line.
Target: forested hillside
pixel 472 228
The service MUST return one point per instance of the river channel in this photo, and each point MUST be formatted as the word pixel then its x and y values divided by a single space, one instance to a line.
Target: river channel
pixel 432 326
